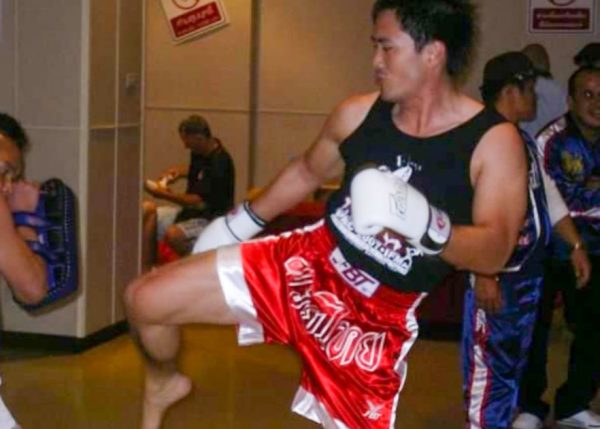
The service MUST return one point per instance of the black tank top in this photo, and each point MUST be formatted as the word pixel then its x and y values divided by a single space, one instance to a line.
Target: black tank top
pixel 438 166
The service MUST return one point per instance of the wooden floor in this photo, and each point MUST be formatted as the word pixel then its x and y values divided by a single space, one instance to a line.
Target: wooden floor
pixel 236 388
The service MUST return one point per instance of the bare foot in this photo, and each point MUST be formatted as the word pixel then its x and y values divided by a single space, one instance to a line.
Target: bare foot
pixel 160 395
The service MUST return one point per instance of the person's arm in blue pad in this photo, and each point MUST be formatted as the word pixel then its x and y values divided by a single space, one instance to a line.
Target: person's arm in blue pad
pixel 52 230
pixel 24 271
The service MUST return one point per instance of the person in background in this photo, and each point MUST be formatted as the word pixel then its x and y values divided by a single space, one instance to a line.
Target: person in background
pixel 551 96
pixel 570 147
pixel 500 310
pixel 209 192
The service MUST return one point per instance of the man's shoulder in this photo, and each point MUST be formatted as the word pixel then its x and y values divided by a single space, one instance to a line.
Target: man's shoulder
pixel 356 106
pixel 348 115
pixel 221 155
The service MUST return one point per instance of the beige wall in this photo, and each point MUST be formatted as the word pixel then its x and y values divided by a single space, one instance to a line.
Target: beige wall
pixel 113 158
pixel 313 54
pixel 7 45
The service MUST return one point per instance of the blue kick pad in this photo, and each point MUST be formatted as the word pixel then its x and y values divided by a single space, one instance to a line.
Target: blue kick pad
pixel 55 222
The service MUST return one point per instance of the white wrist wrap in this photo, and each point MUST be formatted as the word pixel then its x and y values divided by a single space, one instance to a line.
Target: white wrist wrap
pixel 243 223
pixel 437 234
pixel 239 225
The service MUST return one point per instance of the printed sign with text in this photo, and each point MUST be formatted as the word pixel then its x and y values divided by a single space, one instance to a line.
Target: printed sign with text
pixel 562 16
pixel 191 18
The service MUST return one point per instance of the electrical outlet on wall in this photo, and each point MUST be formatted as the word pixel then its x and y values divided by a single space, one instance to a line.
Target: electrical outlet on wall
pixel 132 81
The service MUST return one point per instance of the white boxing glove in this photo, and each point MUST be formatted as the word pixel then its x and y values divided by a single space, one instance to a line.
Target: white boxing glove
pixel 381 200
pixel 238 225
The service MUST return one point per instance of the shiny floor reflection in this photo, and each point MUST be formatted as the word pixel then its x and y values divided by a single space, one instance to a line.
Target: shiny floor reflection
pixel 236 388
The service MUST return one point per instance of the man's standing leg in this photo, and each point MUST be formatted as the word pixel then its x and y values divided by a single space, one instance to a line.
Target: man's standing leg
pixel 581 385
pixel 534 380
pixel 493 352
pixel 184 292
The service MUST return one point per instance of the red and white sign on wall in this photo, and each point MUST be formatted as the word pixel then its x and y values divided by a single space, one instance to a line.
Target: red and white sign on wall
pixel 562 16
pixel 190 18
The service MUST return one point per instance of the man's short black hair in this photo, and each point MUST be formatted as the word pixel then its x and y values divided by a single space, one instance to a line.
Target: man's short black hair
pixel 451 22
pixel 12 129
pixel 588 55
pixel 195 125
pixel 575 75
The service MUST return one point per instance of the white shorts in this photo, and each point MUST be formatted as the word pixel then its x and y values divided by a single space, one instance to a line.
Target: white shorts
pixel 190 228
pixel 165 218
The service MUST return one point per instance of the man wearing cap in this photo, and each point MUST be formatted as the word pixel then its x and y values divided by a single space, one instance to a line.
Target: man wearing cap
pixel 551 96
pixel 571 150
pixel 500 310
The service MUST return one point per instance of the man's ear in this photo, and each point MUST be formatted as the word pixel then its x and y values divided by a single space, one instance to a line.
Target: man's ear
pixel 435 53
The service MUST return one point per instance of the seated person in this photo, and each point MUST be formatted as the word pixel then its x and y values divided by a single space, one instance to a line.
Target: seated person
pixel 209 192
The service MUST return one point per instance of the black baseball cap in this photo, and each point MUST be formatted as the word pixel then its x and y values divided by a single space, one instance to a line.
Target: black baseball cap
pixel 508 67
pixel 588 55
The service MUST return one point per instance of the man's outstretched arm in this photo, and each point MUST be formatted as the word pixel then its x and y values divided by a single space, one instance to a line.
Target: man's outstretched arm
pixel 24 271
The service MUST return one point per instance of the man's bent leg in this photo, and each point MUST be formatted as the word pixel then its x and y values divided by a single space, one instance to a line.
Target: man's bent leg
pixel 149 235
pixel 181 236
pixel 175 238
pixel 187 291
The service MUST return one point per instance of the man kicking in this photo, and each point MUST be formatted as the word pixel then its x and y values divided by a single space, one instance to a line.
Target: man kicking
pixel 415 156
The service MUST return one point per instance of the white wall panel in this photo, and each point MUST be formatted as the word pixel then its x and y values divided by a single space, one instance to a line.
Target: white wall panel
pixel 7 53
pixel 103 63
pixel 49 62
pixel 101 223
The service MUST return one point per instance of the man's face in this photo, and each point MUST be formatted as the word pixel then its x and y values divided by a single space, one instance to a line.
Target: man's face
pixel 525 101
pixel 584 103
pixel 397 65
pixel 195 142
pixel 11 164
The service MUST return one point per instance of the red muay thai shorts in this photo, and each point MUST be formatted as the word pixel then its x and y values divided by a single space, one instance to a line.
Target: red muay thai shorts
pixel 351 332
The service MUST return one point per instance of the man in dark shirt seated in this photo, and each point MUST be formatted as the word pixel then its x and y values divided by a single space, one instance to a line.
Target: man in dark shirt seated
pixel 208 194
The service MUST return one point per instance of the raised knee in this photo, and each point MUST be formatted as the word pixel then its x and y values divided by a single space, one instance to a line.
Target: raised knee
pixel 136 297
